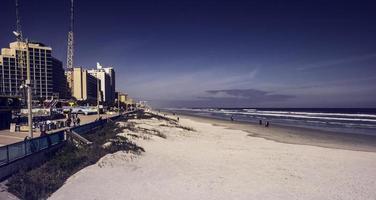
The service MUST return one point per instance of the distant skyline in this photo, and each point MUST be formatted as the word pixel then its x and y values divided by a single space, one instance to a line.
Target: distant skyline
pixel 217 53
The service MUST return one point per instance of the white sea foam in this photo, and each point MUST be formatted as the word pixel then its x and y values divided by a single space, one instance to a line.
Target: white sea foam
pixel 320 114
pixel 297 115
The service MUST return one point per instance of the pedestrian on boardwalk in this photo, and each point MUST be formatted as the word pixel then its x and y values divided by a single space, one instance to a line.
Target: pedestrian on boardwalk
pixel 68 122
pixel 43 130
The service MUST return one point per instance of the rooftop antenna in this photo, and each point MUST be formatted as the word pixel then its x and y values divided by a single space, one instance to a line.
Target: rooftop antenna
pixel 70 50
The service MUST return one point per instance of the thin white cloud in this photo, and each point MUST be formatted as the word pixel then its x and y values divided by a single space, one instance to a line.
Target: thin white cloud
pixel 331 63
pixel 345 83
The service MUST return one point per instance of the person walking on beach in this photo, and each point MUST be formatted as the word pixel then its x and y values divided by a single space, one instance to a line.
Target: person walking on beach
pixel 260 122
pixel 232 118
pixel 267 124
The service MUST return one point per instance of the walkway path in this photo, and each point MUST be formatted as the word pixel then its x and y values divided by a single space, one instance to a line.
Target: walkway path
pixel 7 137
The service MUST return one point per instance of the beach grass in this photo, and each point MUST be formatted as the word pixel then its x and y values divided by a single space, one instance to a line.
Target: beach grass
pixel 40 182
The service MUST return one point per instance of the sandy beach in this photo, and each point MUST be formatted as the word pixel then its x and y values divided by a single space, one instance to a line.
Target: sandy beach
pixel 296 135
pixel 222 160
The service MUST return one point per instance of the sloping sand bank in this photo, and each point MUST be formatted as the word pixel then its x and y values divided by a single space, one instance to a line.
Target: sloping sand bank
pixel 213 162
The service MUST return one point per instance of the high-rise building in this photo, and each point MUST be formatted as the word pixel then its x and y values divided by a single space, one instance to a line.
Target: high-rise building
pixel 104 84
pixel 44 69
pixel 84 85
pixel 59 80
pixel 107 87
pixel 111 73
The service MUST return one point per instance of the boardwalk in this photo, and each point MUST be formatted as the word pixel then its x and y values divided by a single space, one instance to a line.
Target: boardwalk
pixel 7 137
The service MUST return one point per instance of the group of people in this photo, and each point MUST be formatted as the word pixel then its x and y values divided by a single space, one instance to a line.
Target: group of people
pixel 47 125
pixel 73 118
pixel 260 121
pixel 44 126
pixel 266 123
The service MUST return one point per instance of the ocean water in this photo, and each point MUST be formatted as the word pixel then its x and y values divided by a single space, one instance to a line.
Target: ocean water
pixel 344 120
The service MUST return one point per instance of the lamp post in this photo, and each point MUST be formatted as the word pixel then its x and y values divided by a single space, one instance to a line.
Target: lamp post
pixel 29 94
pixel 118 101
pixel 98 96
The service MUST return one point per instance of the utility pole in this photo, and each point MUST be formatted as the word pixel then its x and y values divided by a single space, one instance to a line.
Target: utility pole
pixel 29 94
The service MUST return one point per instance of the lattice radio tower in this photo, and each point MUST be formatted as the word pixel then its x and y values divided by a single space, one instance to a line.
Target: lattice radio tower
pixel 20 56
pixel 70 50
pixel 18 23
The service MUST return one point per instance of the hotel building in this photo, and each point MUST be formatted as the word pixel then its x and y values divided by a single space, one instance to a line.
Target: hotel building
pixel 107 86
pixel 46 72
pixel 84 87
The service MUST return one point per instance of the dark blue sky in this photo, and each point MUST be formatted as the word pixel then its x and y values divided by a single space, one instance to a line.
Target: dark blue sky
pixel 218 53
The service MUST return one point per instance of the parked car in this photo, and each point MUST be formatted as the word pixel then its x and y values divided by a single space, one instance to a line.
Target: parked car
pixel 86 110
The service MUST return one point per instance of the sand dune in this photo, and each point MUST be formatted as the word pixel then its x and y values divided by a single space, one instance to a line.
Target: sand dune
pixel 213 162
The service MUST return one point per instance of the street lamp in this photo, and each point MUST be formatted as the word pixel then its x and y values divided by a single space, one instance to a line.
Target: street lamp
pixel 98 95
pixel 27 84
pixel 118 102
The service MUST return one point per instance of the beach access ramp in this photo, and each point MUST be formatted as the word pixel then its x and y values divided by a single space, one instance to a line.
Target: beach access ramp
pixel 77 137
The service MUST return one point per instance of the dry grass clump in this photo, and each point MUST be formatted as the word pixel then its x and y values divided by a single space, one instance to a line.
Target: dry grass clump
pixel 187 128
pixel 152 132
pixel 162 135
pixel 177 125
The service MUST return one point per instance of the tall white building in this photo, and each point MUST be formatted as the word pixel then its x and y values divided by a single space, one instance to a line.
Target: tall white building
pixel 106 75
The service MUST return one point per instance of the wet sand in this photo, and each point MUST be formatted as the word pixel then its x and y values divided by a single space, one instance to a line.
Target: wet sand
pixel 296 135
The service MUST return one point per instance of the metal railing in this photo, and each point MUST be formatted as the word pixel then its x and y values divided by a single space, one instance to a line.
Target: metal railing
pixel 16 151
pixel 19 150
pixel 82 129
